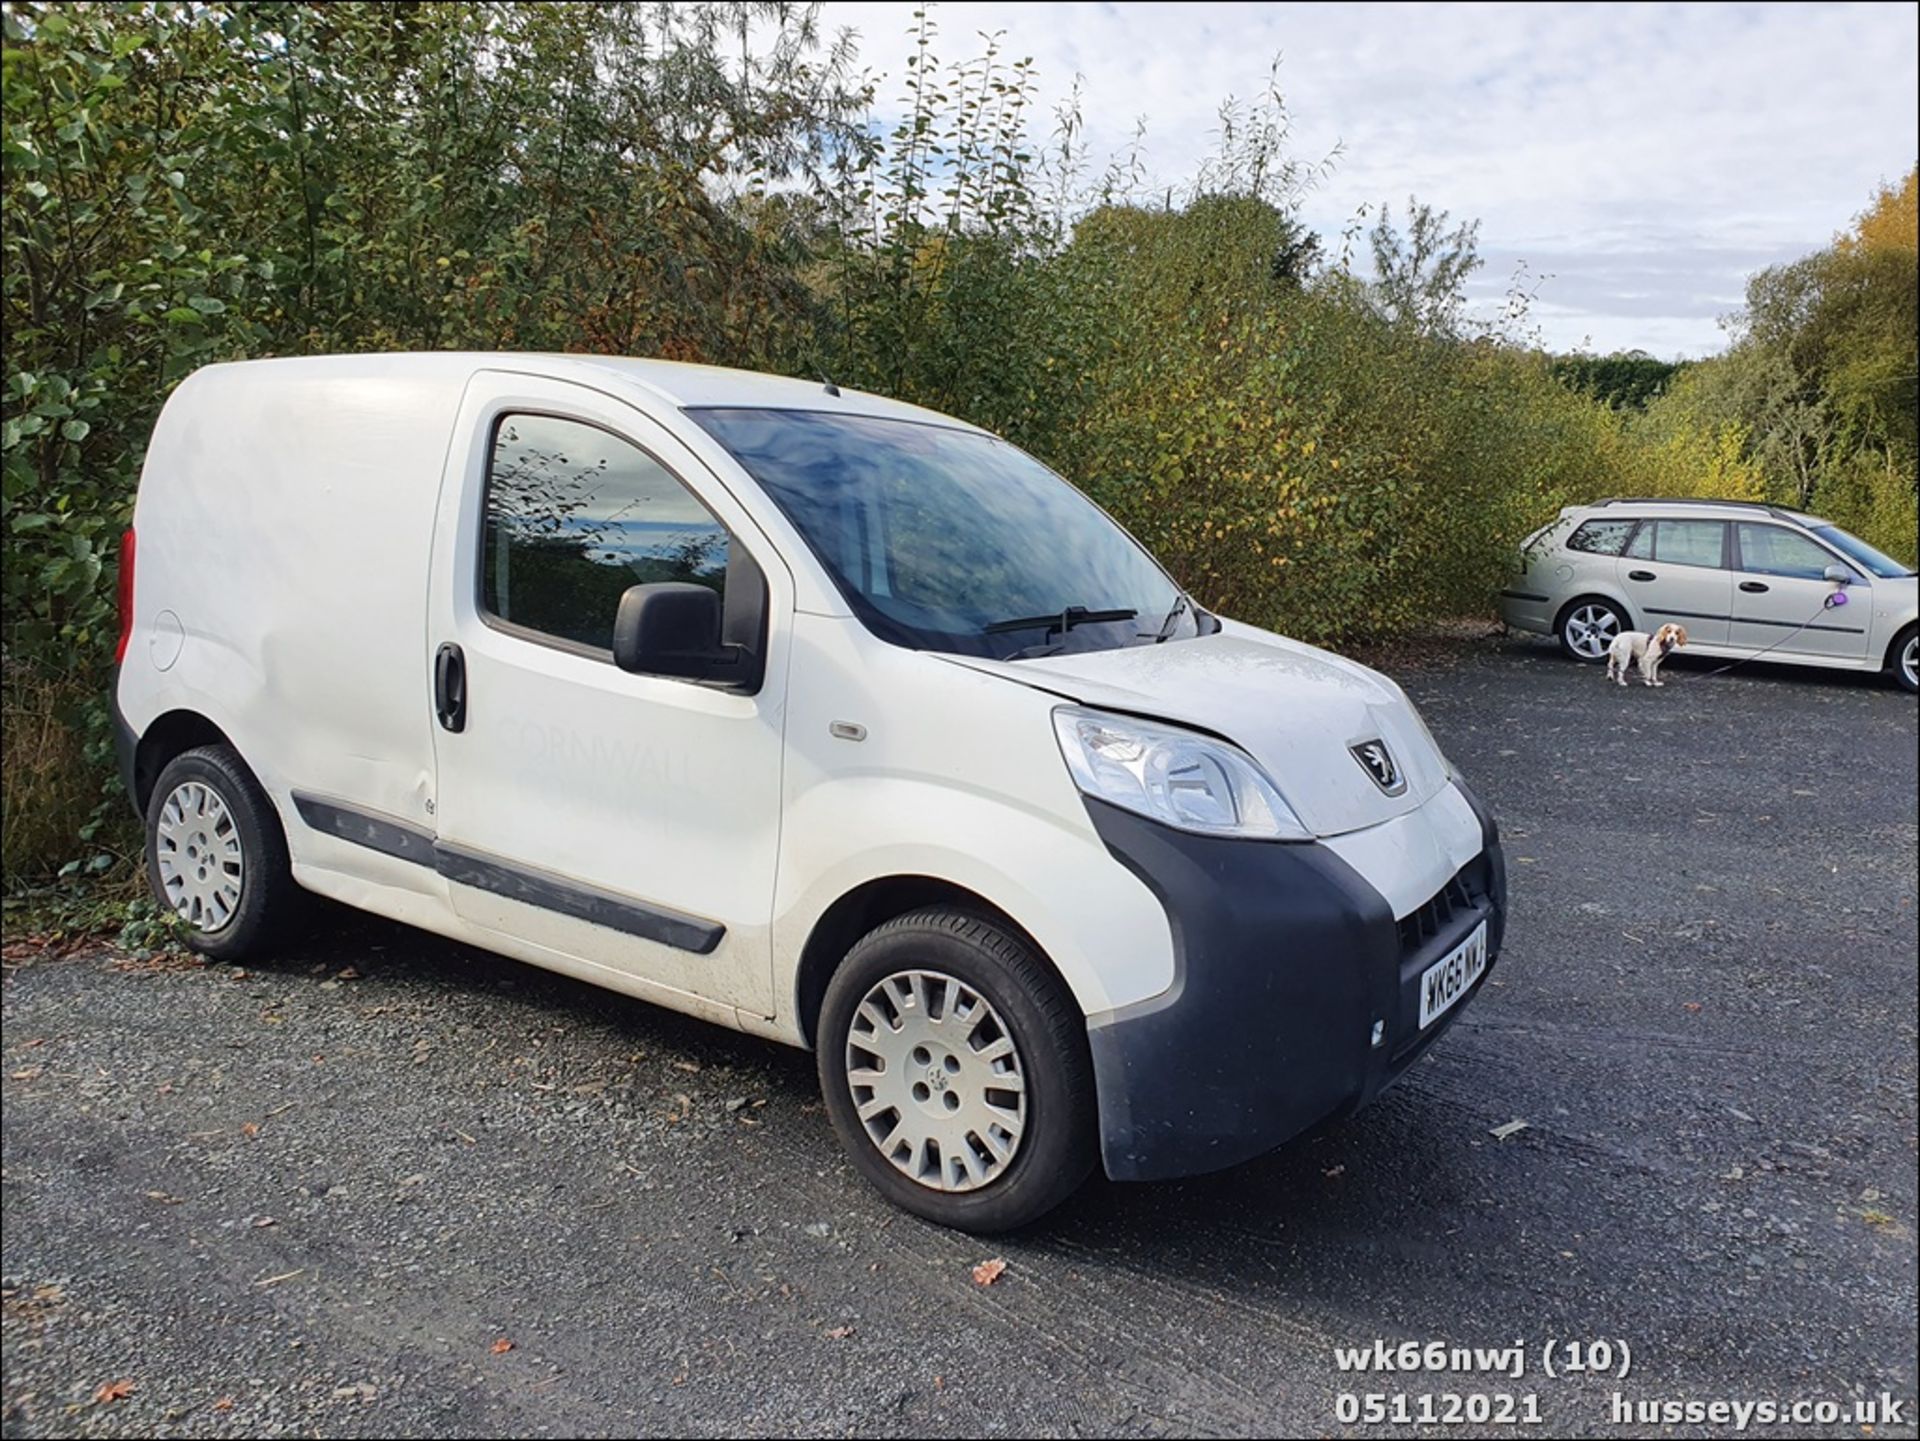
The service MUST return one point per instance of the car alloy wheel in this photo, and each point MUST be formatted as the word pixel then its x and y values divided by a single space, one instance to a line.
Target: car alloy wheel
pixel 1590 630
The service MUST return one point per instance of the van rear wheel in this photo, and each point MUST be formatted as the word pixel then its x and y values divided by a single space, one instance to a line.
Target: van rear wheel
pixel 216 856
pixel 954 1066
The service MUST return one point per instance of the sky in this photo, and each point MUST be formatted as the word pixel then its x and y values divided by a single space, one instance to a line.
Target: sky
pixel 1640 160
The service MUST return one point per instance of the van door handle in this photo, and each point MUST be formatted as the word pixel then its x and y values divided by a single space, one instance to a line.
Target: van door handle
pixel 1753 587
pixel 1641 575
pixel 450 687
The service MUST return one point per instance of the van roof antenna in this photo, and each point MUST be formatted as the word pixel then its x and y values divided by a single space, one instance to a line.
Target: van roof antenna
pixel 828 385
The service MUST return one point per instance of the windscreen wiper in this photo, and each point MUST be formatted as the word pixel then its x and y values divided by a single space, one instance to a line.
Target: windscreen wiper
pixel 1062 621
pixel 1181 604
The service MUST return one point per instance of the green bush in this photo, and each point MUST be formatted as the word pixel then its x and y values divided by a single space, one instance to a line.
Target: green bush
pixel 1332 451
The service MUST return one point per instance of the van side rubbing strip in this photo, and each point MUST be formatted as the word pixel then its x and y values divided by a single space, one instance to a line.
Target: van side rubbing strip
pixel 366 828
pixel 585 903
pixel 517 883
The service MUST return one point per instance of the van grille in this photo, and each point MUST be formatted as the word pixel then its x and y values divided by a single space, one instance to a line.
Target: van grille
pixel 1436 913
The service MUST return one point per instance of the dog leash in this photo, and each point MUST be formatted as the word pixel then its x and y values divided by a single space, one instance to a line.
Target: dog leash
pixel 1838 598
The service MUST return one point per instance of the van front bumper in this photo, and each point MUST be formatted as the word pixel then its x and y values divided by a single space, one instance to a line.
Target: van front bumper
pixel 1286 960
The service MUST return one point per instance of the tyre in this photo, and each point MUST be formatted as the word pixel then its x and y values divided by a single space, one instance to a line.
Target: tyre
pixel 1903 659
pixel 1587 627
pixel 216 856
pixel 955 1068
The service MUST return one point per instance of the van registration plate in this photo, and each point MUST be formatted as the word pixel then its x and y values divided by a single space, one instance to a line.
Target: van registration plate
pixel 1452 976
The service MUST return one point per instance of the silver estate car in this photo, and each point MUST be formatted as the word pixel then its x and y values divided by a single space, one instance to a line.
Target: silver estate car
pixel 1748 581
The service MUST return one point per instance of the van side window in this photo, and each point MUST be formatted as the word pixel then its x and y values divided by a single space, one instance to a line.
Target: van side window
pixel 1770 550
pixel 1601 537
pixel 575 515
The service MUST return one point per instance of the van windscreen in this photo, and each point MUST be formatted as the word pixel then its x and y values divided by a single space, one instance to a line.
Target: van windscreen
pixel 952 540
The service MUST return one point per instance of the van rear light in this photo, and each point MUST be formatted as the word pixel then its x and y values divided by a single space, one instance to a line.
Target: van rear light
pixel 126 595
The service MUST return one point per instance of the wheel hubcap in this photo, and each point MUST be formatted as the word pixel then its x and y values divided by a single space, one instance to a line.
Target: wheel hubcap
pixel 197 852
pixel 937 1080
pixel 1591 629
pixel 1910 660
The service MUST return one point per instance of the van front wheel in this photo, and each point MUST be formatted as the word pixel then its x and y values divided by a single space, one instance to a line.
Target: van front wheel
pixel 954 1065
pixel 216 856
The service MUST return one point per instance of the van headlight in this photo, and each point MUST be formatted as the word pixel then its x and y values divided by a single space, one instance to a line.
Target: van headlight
pixel 1178 777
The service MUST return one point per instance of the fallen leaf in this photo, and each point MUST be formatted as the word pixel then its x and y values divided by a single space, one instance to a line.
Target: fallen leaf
pixel 987 1272
pixel 501 1347
pixel 839 1333
pixel 346 973
pixel 250 1129
pixel 1333 1171
pixel 115 1390
pixel 30 1073
pixel 1691 1007
pixel 163 1198
pixel 262 1221
pixel 1500 1133
pixel 225 1403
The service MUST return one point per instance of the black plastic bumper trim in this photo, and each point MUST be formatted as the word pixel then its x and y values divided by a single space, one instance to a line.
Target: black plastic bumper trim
pixel 126 746
pixel 504 878
pixel 1285 959
pixel 1523 595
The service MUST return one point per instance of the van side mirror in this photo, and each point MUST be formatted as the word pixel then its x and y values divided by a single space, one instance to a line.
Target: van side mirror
pixel 1839 575
pixel 671 628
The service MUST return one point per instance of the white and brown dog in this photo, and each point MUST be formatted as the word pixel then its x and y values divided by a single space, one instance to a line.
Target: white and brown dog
pixel 1636 647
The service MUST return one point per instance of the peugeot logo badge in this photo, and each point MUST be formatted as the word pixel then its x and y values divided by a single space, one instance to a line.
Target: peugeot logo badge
pixel 1377 761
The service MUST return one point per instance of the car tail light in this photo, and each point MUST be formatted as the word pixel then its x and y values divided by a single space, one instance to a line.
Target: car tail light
pixel 126 595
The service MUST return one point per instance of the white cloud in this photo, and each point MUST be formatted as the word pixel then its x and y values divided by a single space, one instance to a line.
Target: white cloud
pixel 1646 157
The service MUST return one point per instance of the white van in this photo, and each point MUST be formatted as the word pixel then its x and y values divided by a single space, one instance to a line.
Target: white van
pixel 818 715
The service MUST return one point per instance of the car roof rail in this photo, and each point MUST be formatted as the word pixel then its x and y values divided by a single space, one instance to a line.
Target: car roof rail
pixel 1760 505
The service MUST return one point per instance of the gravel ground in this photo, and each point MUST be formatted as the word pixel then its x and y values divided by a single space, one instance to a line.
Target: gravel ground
pixel 392 1185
